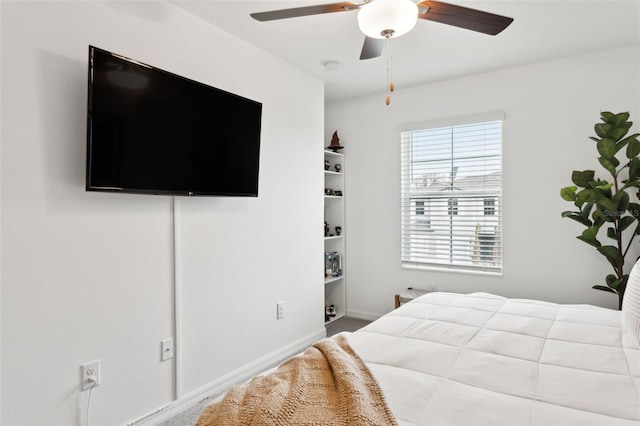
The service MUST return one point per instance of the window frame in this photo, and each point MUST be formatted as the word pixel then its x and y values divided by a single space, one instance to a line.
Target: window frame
pixel 410 201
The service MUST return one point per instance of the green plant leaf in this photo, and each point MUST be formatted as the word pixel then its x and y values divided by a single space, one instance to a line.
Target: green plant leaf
pixel 633 148
pixel 602 186
pixel 634 169
pixel 612 254
pixel 634 210
pixel 604 288
pixel 587 195
pixel 568 213
pixel 619 119
pixel 577 217
pixel 607 215
pixel 626 140
pixel 617 134
pixel 582 178
pixel 621 200
pixel 586 211
pixel 609 164
pixel 607 116
pixel 615 284
pixel 603 129
pixel 611 233
pixel 597 218
pixel 625 222
pixel 607 147
pixel 630 138
pixel 632 184
pixel 609 206
pixel 589 237
pixel 568 193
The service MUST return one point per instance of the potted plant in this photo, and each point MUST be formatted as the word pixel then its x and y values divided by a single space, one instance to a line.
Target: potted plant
pixel 611 204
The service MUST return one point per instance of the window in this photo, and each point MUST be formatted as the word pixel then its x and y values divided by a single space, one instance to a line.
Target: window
pixel 451 186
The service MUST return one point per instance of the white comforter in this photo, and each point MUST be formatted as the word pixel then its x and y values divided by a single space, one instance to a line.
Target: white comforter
pixel 481 359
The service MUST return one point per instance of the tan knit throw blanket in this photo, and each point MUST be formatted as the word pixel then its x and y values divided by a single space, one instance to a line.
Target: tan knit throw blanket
pixel 327 385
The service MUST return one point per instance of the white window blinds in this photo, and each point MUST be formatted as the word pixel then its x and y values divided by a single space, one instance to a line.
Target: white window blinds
pixel 452 196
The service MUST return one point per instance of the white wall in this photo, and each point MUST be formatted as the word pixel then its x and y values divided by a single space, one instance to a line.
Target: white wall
pixel 550 111
pixel 90 275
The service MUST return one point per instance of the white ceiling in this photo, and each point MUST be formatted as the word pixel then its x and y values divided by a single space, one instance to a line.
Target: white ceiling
pixel 542 30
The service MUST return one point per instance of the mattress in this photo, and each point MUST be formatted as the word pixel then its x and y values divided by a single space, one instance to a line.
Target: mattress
pixel 482 359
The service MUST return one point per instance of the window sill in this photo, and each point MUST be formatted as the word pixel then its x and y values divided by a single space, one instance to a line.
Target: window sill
pixel 453 269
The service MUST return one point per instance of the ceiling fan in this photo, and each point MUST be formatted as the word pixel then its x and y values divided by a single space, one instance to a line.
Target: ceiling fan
pixel 386 19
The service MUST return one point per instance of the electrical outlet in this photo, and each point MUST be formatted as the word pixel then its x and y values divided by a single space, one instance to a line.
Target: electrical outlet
pixel 166 346
pixel 280 310
pixel 90 374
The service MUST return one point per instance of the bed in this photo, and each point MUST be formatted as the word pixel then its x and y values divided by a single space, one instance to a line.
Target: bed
pixel 453 359
pixel 483 359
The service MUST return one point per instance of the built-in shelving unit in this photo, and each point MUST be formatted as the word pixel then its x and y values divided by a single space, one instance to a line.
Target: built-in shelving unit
pixel 334 235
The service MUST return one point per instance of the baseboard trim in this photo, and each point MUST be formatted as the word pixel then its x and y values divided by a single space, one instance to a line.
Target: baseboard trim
pixel 221 385
pixel 369 316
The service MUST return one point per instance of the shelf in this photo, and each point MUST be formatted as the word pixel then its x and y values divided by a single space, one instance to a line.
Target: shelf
pixel 336 318
pixel 332 154
pixel 333 279
pixel 334 216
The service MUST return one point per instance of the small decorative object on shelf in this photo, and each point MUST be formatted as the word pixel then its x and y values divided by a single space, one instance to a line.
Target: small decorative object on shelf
pixel 330 311
pixel 335 143
pixel 327 165
pixel 338 230
pixel 332 264
pixel 326 229
pixel 337 193
pixel 338 167
pixel 329 191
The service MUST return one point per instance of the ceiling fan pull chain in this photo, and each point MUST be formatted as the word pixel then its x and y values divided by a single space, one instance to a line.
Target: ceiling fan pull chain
pixel 390 85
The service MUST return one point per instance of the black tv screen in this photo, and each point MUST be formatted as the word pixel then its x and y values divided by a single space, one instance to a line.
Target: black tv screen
pixel 153 132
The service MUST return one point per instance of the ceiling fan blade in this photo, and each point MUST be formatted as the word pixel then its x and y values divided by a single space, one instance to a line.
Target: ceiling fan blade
pixel 372 48
pixel 463 17
pixel 305 11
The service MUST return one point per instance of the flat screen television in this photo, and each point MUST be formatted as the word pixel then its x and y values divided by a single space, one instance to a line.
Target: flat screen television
pixel 153 132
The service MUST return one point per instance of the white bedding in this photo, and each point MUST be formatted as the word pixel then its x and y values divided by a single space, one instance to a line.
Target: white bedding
pixel 481 359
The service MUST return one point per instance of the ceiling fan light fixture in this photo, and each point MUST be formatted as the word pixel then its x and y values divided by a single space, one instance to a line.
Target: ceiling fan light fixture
pixel 387 18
